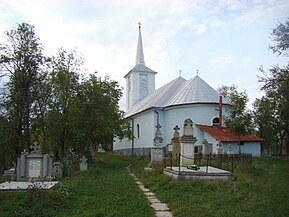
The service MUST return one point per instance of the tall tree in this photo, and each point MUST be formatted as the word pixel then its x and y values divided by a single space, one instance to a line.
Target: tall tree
pixel 96 116
pixel 275 84
pixel 239 120
pixel 20 60
pixel 64 81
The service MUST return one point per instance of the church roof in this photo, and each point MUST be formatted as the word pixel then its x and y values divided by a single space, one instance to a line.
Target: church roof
pixel 225 135
pixel 177 92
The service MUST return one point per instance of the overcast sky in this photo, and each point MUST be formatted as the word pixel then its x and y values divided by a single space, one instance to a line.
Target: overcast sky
pixel 226 40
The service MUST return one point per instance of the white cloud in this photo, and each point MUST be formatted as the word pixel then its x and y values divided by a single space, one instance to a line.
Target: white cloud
pixel 200 29
pixel 222 61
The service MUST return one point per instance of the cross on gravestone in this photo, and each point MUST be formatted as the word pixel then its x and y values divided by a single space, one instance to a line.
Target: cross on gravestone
pixel 34 146
pixel 24 152
pixel 83 164
pixel 83 159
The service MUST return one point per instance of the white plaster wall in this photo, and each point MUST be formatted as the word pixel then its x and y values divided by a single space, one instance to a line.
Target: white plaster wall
pixel 199 114
pixel 253 148
pixel 146 123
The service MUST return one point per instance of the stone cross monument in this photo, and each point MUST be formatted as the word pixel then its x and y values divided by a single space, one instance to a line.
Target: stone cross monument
pixel 157 149
pixel 188 144
pixel 176 143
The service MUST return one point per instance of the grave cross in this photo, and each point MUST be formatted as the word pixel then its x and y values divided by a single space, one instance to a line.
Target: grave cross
pixel 34 146
pixel 83 159
pixel 176 127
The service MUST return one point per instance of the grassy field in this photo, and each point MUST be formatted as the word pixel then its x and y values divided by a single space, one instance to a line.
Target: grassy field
pixel 106 189
pixel 262 192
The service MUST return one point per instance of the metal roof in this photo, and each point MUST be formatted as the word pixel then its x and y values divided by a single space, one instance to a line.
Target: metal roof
pixel 225 135
pixel 177 92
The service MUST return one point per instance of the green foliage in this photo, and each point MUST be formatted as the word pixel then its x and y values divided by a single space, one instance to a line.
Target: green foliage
pixel 280 35
pixel 261 192
pixel 272 111
pixel 239 120
pixel 20 60
pixel 106 189
pixel 45 100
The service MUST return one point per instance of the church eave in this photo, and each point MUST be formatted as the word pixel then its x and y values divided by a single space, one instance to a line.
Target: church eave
pixel 146 71
pixel 193 103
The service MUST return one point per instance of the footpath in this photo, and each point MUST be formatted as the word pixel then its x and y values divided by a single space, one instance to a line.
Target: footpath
pixel 161 209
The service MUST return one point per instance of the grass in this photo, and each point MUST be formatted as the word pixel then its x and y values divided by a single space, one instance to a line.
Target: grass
pixel 106 189
pixel 262 192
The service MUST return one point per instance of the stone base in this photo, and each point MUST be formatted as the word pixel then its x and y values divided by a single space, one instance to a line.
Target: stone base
pixel 156 155
pixel 210 173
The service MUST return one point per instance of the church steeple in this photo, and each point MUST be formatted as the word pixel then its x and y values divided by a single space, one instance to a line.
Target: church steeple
pixel 140 81
pixel 139 51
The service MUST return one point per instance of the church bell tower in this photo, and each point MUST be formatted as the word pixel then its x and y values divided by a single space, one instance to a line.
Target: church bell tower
pixel 140 81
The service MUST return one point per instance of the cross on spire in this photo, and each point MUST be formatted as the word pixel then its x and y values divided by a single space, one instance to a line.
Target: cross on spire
pixel 139 25
pixel 197 71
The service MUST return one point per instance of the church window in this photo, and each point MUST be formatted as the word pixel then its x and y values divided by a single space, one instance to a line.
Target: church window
pixel 137 129
pixel 216 121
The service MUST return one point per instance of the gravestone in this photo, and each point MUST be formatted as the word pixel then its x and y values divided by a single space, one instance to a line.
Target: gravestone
pixel 69 157
pixel 219 148
pixel 230 149
pixel 157 149
pixel 100 148
pixel 34 166
pixel 207 147
pixel 83 163
pixel 57 170
pixel 187 144
pixel 176 143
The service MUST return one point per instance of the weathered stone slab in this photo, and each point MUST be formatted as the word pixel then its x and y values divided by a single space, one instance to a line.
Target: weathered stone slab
pixel 26 185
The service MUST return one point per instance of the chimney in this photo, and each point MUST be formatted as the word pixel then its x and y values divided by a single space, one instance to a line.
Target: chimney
pixel 220 112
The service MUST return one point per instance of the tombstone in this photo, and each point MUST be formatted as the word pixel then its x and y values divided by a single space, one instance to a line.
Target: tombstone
pixel 57 170
pixel 100 149
pixel 92 149
pixel 219 148
pixel 187 144
pixel 83 163
pixel 230 149
pixel 69 157
pixel 157 149
pixel 34 166
pixel 207 147
pixel 176 143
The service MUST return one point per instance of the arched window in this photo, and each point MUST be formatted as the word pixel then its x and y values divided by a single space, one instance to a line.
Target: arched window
pixel 137 129
pixel 216 121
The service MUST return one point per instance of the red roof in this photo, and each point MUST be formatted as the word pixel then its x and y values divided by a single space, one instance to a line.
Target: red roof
pixel 225 135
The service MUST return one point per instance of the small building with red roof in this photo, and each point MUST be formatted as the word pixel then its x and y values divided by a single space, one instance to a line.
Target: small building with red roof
pixel 222 136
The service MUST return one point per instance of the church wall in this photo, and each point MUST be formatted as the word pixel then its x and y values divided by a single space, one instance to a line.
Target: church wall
pixel 146 130
pixel 200 114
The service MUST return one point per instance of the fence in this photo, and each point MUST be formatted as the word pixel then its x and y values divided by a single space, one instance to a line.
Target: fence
pixel 229 162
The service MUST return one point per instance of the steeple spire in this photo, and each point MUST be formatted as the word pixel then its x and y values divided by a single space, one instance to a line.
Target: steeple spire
pixel 139 52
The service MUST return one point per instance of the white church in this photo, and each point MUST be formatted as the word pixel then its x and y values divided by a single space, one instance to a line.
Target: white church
pixel 169 106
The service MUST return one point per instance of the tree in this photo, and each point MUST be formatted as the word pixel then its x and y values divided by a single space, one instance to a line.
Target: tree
pixel 64 81
pixel 267 122
pixel 275 84
pixel 280 35
pixel 239 120
pixel 96 116
pixel 20 60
